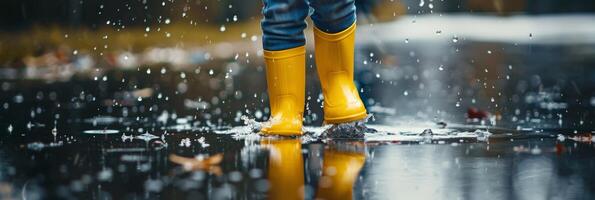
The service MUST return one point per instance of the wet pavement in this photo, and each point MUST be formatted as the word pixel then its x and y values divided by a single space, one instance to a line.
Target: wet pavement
pixel 451 120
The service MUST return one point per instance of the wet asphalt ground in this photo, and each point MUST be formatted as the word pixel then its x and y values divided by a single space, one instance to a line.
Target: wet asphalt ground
pixel 505 121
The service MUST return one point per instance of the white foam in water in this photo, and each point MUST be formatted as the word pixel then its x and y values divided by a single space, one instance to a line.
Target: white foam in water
pixel 101 132
pixel 146 137
pixel 420 133
pixel 410 131
pixel 126 137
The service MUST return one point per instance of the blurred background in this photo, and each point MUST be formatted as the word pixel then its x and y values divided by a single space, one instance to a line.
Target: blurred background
pixel 30 28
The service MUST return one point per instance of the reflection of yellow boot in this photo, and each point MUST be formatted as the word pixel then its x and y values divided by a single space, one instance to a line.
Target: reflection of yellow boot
pixel 286 172
pixel 286 80
pixel 339 173
pixel 334 61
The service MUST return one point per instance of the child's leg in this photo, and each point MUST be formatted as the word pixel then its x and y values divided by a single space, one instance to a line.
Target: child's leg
pixel 334 37
pixel 333 16
pixel 283 42
pixel 283 24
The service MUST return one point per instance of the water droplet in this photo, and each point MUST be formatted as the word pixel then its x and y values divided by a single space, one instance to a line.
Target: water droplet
pixel 222 28
pixel 148 71
pixel 455 39
pixel 211 72
pixel 54 131
pixel 421 3
pixel 167 21
pixel 406 93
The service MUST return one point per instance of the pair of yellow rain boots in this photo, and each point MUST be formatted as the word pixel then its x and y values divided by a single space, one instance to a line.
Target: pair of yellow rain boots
pixel 286 80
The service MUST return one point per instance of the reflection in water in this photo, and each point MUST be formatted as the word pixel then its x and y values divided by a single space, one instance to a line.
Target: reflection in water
pixel 286 173
pixel 342 162
pixel 477 171
pixel 209 164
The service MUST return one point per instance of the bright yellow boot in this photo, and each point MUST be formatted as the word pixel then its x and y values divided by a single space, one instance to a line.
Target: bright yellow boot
pixel 286 81
pixel 334 61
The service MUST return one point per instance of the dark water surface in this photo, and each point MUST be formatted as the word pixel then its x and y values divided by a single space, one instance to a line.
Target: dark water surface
pixel 506 122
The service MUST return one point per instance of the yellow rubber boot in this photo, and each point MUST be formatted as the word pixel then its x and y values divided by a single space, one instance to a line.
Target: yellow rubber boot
pixel 334 62
pixel 286 169
pixel 340 171
pixel 286 81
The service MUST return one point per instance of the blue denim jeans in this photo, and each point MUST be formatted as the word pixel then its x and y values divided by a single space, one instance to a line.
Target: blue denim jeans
pixel 284 20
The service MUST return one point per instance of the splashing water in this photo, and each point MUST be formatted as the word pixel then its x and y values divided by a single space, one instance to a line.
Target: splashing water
pixel 251 128
pixel 185 142
pixel 419 132
pixel 351 130
pixel 146 137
